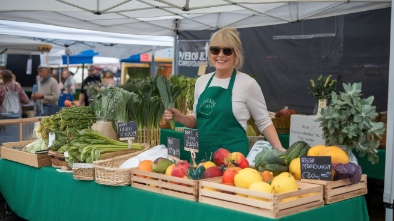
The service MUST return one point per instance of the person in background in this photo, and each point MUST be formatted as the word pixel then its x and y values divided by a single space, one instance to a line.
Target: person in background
pixel 108 79
pixel 48 90
pixel 91 80
pixel 67 87
pixel 225 100
pixel 67 84
pixel 1 71
pixel 14 80
pixel 8 84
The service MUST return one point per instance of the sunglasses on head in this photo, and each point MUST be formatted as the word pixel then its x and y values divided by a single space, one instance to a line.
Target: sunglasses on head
pixel 216 50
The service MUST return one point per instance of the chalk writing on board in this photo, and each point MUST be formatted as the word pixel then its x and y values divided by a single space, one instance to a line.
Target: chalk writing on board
pixel 173 148
pixel 316 168
pixel 191 140
pixel 127 130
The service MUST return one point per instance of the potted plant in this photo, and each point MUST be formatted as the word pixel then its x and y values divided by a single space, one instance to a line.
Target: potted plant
pixel 348 121
pixel 322 90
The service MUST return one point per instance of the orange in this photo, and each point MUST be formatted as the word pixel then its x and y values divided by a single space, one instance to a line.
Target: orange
pixel 315 150
pixel 145 165
pixel 336 153
pixel 67 103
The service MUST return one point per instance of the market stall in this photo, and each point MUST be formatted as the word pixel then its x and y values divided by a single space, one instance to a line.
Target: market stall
pixel 45 194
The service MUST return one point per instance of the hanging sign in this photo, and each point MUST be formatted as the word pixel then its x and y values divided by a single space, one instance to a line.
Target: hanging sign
pixel 316 168
pixel 127 130
pixel 174 149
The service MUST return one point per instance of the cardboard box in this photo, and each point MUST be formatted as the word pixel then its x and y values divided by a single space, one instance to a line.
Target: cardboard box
pixel 308 196
pixel 30 159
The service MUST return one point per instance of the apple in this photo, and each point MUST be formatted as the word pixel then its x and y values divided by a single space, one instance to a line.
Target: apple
pixel 220 156
pixel 212 172
pixel 228 177
pixel 237 159
pixel 180 169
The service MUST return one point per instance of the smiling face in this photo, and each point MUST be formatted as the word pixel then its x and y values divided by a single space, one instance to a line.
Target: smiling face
pixel 223 63
pixel 226 51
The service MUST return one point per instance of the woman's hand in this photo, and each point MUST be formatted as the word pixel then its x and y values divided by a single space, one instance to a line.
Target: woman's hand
pixel 173 113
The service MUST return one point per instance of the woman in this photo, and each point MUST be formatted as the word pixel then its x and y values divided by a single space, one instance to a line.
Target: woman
pixel 67 84
pixel 10 86
pixel 225 100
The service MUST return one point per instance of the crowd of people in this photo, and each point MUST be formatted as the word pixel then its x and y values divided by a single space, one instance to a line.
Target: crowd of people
pixel 51 92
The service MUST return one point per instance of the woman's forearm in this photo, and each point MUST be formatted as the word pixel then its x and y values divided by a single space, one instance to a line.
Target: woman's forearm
pixel 272 136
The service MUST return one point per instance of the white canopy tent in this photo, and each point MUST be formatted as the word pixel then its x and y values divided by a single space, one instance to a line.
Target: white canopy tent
pixel 162 17
pixel 166 17
pixel 19 45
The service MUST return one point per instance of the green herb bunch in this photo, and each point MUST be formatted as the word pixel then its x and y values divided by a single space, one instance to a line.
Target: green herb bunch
pixel 349 120
pixel 323 87
pixel 185 100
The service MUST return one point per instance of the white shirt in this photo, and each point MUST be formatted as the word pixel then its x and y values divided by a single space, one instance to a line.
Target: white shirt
pixel 248 99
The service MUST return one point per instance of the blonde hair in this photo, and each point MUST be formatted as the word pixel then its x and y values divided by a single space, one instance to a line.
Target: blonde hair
pixel 229 38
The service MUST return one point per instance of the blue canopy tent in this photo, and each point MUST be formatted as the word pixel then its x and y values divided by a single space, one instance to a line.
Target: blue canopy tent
pixel 137 58
pixel 84 57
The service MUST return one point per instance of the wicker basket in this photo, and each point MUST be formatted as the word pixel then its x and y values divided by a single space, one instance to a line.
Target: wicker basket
pixel 107 171
pixel 58 160
pixel 83 171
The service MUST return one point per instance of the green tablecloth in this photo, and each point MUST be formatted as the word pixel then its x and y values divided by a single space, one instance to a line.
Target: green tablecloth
pixel 45 194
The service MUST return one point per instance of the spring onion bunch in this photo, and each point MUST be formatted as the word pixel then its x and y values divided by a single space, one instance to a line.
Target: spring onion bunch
pixel 87 146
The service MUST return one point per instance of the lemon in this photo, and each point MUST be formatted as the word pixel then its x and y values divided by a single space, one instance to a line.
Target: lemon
pixel 209 164
pixel 295 168
pixel 261 186
pixel 284 182
pixel 245 177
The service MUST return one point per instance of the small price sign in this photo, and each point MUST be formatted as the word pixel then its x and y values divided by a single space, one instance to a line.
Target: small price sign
pixel 127 130
pixel 174 149
pixel 191 140
pixel 316 168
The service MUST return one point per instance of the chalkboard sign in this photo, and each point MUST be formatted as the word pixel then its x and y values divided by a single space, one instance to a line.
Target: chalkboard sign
pixel 191 140
pixel 127 130
pixel 174 150
pixel 316 168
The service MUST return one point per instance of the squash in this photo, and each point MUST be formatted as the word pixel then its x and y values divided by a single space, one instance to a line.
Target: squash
pixel 284 111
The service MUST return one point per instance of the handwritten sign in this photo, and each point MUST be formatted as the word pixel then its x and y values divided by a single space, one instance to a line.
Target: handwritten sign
pixel 306 128
pixel 127 130
pixel 191 140
pixel 174 150
pixel 316 168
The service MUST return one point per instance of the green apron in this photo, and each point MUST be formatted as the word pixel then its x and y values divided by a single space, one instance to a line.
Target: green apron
pixel 216 123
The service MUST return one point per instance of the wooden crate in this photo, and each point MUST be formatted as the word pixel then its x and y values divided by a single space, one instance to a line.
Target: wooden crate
pixel 282 124
pixel 34 160
pixel 335 191
pixel 164 184
pixel 309 196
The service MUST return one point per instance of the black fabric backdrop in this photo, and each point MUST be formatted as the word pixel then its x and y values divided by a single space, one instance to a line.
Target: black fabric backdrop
pixel 359 52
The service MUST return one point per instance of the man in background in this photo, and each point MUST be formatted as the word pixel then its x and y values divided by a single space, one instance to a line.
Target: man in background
pixel 91 82
pixel 48 92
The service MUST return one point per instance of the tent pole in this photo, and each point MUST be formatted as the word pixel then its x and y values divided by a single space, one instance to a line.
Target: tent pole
pixel 388 194
pixel 83 71
pixel 175 46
